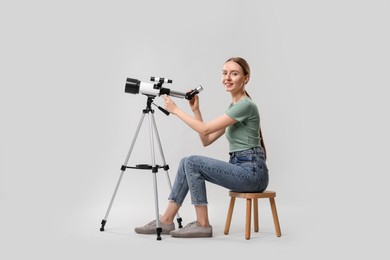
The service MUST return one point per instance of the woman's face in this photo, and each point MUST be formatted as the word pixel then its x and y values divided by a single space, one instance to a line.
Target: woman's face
pixel 233 78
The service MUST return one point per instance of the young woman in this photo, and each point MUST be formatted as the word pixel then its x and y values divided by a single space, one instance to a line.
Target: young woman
pixel 246 169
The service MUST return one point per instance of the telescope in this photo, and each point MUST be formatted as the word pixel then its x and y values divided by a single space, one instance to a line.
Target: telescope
pixel 135 86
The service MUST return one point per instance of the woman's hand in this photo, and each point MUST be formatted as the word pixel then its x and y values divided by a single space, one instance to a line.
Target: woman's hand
pixel 194 103
pixel 169 105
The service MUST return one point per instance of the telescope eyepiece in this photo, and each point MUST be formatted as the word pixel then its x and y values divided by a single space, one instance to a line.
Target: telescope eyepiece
pixel 189 95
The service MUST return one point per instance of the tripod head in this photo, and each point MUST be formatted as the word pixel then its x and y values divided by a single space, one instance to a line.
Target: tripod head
pixel 149 103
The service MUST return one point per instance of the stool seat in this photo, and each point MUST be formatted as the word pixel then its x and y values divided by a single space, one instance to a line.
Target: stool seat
pixel 252 196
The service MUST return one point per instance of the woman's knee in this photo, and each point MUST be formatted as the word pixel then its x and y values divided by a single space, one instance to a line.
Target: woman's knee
pixel 182 162
pixel 193 159
pixel 192 164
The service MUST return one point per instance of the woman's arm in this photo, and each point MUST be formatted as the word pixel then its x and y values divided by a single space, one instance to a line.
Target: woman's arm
pixel 208 132
pixel 210 138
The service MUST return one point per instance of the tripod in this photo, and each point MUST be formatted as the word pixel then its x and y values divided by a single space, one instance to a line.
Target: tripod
pixel 153 167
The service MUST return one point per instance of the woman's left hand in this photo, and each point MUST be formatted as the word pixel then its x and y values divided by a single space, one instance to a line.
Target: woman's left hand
pixel 169 105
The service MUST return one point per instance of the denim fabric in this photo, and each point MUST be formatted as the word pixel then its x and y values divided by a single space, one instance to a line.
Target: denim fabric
pixel 246 171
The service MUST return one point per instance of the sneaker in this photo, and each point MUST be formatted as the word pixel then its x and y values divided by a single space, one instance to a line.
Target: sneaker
pixel 151 228
pixel 193 229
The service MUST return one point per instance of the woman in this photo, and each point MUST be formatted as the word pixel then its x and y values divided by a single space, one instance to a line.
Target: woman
pixel 246 169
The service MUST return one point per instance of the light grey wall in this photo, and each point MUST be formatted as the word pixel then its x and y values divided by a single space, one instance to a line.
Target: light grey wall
pixel 319 75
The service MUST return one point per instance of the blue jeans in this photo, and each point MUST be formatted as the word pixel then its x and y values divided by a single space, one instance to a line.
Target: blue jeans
pixel 246 171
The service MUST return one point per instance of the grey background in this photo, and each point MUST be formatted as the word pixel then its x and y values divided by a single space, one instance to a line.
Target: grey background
pixel 319 75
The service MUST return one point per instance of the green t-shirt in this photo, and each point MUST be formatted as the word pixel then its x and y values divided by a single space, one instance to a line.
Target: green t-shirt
pixel 244 134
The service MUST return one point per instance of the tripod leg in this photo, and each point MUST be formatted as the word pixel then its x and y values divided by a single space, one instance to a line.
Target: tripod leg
pixel 154 171
pixel 166 167
pixel 104 221
pixel 123 168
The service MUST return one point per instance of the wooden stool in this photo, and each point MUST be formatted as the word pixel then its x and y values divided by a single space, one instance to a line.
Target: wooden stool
pixel 249 196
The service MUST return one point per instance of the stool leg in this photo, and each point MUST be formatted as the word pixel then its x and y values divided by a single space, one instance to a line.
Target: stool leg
pixel 275 217
pixel 248 219
pixel 229 215
pixel 256 215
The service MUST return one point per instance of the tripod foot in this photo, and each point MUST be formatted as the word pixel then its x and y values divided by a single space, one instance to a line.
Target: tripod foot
pixel 103 224
pixel 159 230
pixel 179 222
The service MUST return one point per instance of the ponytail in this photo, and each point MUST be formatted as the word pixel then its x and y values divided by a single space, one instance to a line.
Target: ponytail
pixel 262 144
pixel 261 135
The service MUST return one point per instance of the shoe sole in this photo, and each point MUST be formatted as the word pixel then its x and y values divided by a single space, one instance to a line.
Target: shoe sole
pixel 192 235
